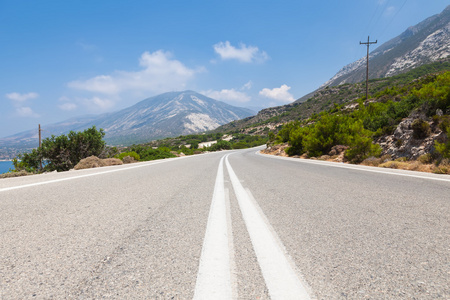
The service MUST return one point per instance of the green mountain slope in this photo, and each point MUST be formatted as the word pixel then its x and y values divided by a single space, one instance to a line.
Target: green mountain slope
pixel 274 117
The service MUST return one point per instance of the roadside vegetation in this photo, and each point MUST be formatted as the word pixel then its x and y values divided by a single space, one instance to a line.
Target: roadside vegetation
pixel 407 111
pixel 326 99
pixel 87 149
pixel 61 153
pixel 426 101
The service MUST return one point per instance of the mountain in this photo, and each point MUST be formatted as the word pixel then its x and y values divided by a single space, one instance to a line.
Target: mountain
pixel 424 43
pixel 165 115
pixel 327 98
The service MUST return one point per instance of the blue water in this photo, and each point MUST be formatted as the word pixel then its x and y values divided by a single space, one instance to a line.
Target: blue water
pixel 5 166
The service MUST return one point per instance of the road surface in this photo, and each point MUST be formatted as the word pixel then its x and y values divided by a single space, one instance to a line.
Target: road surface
pixel 226 225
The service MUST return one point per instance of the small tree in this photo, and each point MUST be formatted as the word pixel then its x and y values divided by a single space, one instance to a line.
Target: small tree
pixel 62 153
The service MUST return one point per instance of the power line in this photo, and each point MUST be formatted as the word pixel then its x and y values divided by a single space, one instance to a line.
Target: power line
pixel 392 19
pixel 371 26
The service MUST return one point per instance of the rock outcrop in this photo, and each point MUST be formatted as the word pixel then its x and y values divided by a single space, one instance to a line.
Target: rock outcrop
pixel 404 143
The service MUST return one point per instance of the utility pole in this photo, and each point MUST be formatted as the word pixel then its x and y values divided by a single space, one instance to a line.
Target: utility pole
pixel 367 68
pixel 40 143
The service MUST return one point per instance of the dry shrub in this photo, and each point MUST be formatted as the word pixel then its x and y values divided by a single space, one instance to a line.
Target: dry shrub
pixel 128 160
pixel 426 158
pixel 443 167
pixel 15 174
pixel 418 166
pixel 401 159
pixel 392 164
pixel 407 165
pixel 371 161
pixel 110 162
pixel 95 162
pixel 376 161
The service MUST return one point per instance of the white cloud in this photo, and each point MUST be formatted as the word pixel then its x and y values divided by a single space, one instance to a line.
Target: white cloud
pixel 244 53
pixel 97 103
pixel 18 101
pixel 21 97
pixel 68 106
pixel 159 73
pixel 280 94
pixel 26 111
pixel 230 95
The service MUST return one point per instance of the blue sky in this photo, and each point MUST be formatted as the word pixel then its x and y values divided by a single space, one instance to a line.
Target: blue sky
pixel 62 59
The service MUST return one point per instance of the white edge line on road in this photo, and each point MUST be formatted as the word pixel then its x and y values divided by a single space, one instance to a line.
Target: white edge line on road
pixel 344 166
pixel 280 277
pixel 214 275
pixel 88 175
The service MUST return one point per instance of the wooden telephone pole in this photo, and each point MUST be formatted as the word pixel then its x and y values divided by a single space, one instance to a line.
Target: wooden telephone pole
pixel 367 68
pixel 40 142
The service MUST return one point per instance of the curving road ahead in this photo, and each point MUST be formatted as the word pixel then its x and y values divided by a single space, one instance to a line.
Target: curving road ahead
pixel 227 225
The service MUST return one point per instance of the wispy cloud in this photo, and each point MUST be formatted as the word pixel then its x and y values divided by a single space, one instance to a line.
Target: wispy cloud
pixel 19 100
pixel 95 103
pixel 67 104
pixel 159 73
pixel 21 97
pixel 280 94
pixel 247 86
pixel 25 111
pixel 228 95
pixel 243 53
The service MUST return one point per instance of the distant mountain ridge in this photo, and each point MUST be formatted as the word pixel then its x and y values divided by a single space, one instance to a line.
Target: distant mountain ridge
pixel 166 115
pixel 424 43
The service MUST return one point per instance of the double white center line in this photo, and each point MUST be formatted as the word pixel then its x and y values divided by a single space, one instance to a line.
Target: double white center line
pixel 214 280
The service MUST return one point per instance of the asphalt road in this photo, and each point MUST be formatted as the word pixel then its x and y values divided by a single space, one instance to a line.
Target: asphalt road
pixel 227 225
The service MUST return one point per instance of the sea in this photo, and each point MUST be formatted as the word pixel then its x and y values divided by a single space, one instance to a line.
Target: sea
pixel 5 166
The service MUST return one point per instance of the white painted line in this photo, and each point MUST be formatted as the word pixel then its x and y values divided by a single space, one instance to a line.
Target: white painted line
pixel 214 274
pixel 280 276
pixel 88 175
pixel 355 167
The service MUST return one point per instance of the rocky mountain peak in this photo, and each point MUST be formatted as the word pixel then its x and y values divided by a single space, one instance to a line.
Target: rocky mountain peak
pixel 424 43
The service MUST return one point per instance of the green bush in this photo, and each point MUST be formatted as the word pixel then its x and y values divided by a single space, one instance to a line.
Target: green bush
pixel 147 153
pixel 426 158
pixel 296 140
pixel 444 148
pixel 421 129
pixel 328 131
pixel 62 153
pixel 132 154
pixel 220 145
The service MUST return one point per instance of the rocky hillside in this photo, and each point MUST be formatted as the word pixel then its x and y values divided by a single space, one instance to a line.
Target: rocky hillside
pixel 325 99
pixel 424 43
